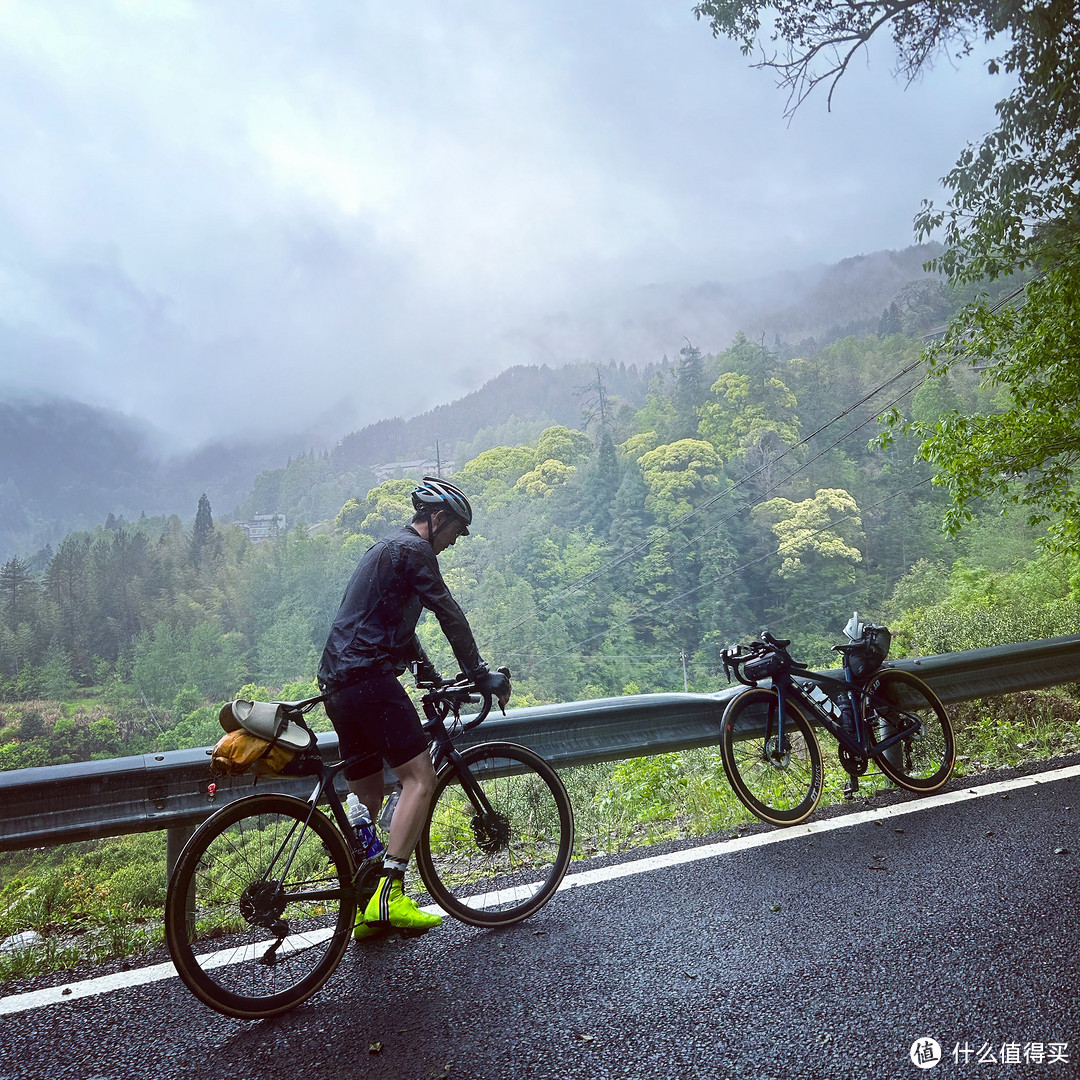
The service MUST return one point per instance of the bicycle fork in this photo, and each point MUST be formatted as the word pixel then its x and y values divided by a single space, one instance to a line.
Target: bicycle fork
pixel 490 828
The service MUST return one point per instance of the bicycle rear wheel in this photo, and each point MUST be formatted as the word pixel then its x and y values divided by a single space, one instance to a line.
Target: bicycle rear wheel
pixel 499 869
pixel 779 783
pixel 897 701
pixel 261 906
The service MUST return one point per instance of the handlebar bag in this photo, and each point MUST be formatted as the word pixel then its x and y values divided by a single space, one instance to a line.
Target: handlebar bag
pixel 864 661
pixel 766 666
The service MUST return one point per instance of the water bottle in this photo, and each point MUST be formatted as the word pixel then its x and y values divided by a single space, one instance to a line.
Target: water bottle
pixel 360 820
pixel 823 701
pixel 847 713
pixel 388 810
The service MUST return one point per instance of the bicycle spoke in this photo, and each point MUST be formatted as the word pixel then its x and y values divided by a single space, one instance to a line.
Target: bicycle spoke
pixel 497 863
pixel 271 894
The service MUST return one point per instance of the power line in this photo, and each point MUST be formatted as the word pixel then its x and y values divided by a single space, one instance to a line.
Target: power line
pixel 728 573
pixel 593 575
pixel 662 531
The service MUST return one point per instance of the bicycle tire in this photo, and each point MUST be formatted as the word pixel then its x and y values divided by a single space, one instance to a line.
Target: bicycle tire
pixel 496 874
pixel 223 894
pixel 782 786
pixel 894 700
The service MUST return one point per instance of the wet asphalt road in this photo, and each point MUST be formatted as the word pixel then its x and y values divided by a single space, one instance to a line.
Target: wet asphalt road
pixel 822 955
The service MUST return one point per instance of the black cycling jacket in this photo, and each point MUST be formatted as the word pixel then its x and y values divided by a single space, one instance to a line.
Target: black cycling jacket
pixel 374 632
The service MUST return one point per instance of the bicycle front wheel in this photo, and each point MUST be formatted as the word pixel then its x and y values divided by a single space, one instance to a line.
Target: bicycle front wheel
pixel 496 864
pixel 777 778
pixel 260 906
pixel 899 703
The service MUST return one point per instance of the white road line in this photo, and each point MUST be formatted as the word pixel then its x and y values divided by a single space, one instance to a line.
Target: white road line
pixel 778 836
pixel 56 995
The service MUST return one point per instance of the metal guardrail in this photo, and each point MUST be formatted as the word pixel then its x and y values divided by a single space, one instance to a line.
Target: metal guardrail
pixel 64 803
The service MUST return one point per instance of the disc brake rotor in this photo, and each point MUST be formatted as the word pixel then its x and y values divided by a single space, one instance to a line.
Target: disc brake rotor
pixel 262 903
pixel 492 833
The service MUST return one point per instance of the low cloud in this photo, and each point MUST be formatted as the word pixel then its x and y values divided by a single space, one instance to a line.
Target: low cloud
pixel 213 216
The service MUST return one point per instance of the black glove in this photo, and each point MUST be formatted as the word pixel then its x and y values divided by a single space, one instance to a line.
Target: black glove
pixel 494 683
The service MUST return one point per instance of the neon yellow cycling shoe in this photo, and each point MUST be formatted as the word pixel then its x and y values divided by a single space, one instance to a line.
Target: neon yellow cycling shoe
pixel 363 932
pixel 391 907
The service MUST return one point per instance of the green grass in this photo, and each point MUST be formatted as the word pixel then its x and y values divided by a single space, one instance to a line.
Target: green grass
pixel 94 901
pixel 103 900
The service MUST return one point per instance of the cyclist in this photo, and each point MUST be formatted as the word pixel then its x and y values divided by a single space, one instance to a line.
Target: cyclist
pixel 370 644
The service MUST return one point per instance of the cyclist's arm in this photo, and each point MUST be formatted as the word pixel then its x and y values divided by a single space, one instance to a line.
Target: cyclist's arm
pixel 427 580
pixel 423 668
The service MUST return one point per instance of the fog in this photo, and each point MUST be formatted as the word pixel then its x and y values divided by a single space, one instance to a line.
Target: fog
pixel 219 215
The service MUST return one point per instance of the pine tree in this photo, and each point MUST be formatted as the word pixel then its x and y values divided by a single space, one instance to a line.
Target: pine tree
pixel 689 389
pixel 203 532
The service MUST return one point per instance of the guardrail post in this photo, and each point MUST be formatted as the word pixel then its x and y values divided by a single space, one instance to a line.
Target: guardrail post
pixel 178 836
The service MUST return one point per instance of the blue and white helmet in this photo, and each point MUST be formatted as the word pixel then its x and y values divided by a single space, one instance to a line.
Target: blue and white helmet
pixel 435 493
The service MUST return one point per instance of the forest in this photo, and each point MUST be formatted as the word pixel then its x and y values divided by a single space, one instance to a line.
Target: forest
pixel 744 489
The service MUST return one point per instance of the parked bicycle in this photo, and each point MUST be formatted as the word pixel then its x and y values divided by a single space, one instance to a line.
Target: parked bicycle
pixel 261 904
pixel 768 746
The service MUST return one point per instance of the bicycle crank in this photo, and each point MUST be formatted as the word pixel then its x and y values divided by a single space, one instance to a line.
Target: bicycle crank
pixel 854 764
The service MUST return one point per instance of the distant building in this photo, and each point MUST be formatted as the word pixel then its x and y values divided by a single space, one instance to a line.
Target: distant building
pixel 396 470
pixel 263 527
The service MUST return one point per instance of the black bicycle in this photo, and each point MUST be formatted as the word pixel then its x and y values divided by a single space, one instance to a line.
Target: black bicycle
pixel 261 904
pixel 767 742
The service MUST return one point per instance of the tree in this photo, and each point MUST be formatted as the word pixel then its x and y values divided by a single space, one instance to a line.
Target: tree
pixel 1026 452
pixel 596 405
pixel 689 392
pixel 491 475
pixel 677 474
pixel 17 591
pixel 817 542
pixel 1014 205
pixel 545 478
pixel 202 534
pixel 559 443
pixel 750 421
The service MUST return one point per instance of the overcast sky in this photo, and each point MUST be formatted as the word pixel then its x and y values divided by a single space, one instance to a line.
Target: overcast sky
pixel 217 211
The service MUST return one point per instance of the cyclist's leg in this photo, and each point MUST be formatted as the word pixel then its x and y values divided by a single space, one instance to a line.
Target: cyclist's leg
pixel 390 906
pixel 376 717
pixel 377 713
pixel 417 783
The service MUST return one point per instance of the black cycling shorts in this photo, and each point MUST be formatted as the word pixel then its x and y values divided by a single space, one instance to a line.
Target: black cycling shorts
pixel 376 718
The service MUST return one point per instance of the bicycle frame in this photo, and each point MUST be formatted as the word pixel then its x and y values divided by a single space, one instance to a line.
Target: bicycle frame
pixel 857 741
pixel 442 751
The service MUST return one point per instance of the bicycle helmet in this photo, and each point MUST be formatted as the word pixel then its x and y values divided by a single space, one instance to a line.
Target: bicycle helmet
pixel 437 494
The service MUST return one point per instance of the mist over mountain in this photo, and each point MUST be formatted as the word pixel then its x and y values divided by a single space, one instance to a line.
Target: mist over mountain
pixel 66 465
pixel 815 305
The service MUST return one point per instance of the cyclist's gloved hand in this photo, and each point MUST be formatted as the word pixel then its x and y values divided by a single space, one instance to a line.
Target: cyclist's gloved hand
pixel 496 684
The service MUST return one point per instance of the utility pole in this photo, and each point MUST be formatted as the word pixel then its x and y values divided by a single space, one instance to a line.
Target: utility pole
pixel 685 682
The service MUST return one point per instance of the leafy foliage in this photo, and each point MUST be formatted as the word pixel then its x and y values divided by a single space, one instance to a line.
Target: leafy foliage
pixel 614 562
pixel 1014 207
pixel 1025 450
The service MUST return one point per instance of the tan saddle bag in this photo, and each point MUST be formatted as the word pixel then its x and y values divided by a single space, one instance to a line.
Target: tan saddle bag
pixel 262 737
